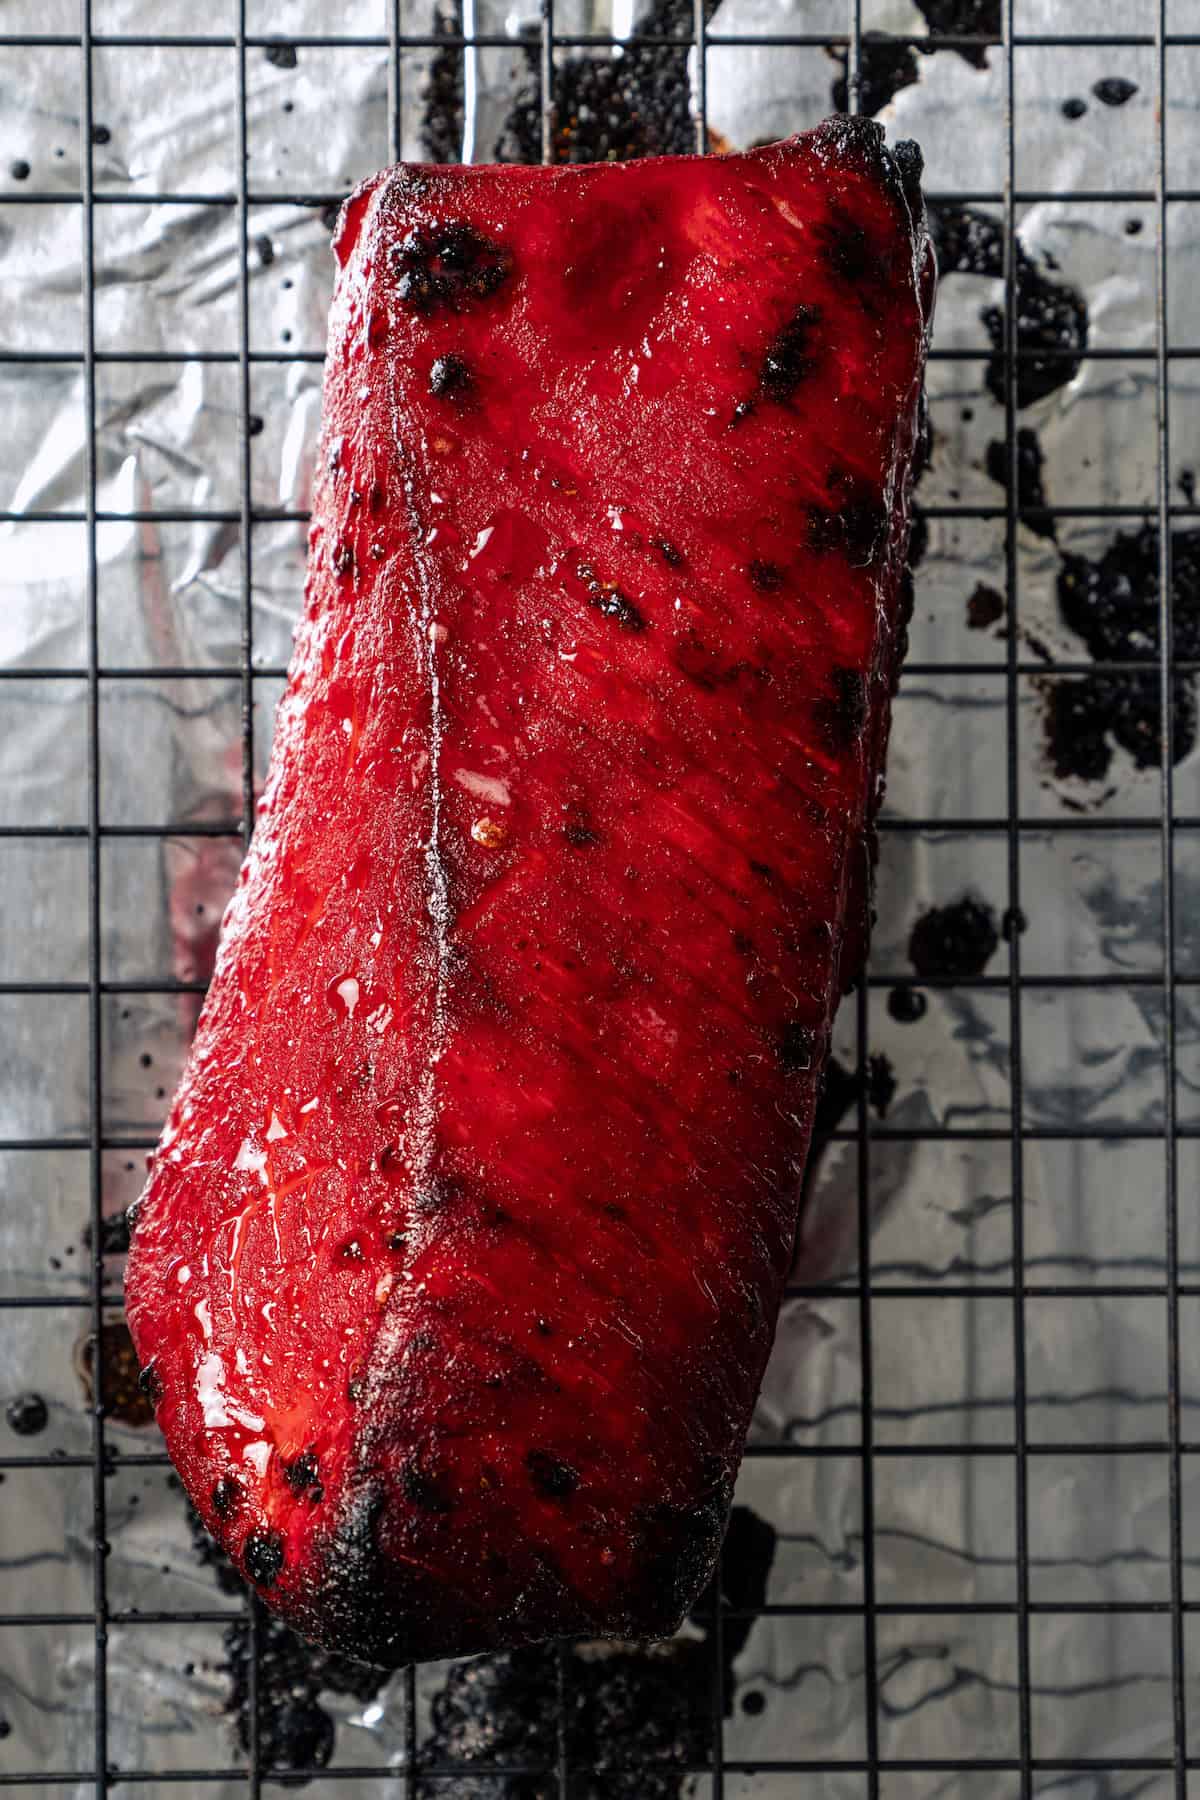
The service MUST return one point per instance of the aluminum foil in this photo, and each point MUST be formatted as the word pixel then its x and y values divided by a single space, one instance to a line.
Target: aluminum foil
pixel 943 1367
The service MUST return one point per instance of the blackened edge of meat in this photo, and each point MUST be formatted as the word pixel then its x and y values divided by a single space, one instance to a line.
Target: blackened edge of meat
pixel 842 716
pixel 294 1729
pixel 380 1609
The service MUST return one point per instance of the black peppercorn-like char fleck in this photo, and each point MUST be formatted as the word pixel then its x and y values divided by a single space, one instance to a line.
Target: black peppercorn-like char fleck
pixel 227 1496
pixel 263 1556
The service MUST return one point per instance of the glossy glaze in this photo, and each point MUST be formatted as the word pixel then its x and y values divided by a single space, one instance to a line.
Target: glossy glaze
pixel 460 1257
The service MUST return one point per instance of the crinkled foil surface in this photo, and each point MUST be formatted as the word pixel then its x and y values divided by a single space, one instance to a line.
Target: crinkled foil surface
pixel 945 1366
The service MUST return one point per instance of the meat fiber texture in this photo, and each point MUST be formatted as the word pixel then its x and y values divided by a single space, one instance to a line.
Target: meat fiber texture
pixel 459 1262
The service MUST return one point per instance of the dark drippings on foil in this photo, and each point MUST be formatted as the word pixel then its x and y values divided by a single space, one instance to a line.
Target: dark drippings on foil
pixel 1031 494
pixel 606 110
pixel 954 942
pixel 1111 603
pixel 125 1395
pixel 630 1714
pixel 442 111
pixel 634 1717
pixel 884 67
pixel 1052 316
pixel 964 18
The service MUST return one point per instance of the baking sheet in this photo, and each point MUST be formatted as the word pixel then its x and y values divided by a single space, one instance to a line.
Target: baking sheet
pixel 169 598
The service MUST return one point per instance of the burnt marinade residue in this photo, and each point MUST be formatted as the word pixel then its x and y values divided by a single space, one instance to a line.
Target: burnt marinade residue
pixel 788 359
pixel 1086 716
pixel 765 577
pixel 797 1048
pixel 842 716
pixel 906 1004
pixel 150 1382
pixel 954 941
pixel 608 599
pixel 1052 333
pixel 1114 90
pixel 550 1475
pixel 789 356
pixel 27 1414
pixel 985 607
pixel 127 1397
pixel 263 1557
pixel 302 1473
pixel 841 1089
pixel 1031 494
pixel 855 525
pixel 963 18
pixel 1052 318
pixel 295 1731
pixel 1112 603
pixel 425 1489
pixel 626 1713
pixel 114 1232
pixel 884 67
pixel 449 376
pixel 444 267
pixel 442 97
pixel 608 110
pixel 227 1496
pixel 634 1718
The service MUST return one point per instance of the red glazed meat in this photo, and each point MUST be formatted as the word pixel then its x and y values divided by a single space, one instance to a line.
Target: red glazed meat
pixel 460 1257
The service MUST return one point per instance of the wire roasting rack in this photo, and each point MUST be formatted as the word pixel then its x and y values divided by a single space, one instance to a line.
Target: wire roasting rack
pixel 872 1769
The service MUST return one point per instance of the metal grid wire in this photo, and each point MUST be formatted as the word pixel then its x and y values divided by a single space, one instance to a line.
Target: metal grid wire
pixel 1159 833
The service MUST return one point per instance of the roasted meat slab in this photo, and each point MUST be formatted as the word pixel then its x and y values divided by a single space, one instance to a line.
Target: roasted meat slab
pixel 460 1257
